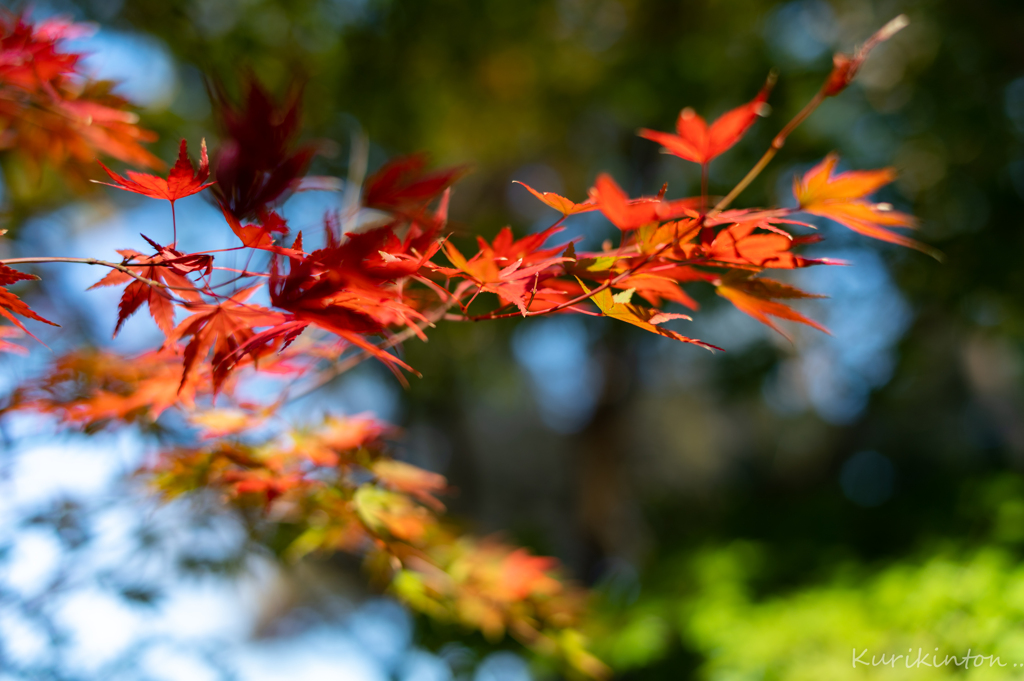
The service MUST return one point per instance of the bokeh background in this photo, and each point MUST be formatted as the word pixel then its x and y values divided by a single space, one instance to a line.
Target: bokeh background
pixel 752 515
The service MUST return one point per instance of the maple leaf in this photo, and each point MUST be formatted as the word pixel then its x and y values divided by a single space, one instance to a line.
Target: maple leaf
pixel 51 111
pixel 90 388
pixel 257 162
pixel 629 214
pixel 402 186
pixel 618 306
pixel 511 281
pixel 260 482
pixel 9 275
pixel 616 206
pixel 31 59
pixel 560 203
pixel 218 423
pixel 338 438
pixel 183 179
pixel 155 268
pixel 756 297
pixel 222 328
pixel 654 288
pixel 261 235
pixel 352 432
pixel 97 122
pixel 11 303
pixel 349 289
pixel 524 575
pixel 740 245
pixel 842 198
pixel 696 141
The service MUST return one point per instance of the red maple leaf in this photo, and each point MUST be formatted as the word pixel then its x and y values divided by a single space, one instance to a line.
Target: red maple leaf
pixel 223 328
pixel 156 268
pixel 258 162
pixel 31 59
pixel 182 181
pixel 696 141
pixel 628 214
pixel 51 111
pixel 402 186
pixel 260 234
pixel 11 303
pixel 349 289
pixel 492 270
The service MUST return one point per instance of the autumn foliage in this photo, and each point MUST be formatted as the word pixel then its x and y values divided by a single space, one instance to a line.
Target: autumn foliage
pixel 302 315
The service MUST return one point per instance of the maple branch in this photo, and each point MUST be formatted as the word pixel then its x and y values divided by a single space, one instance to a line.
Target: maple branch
pixel 105 263
pixel 843 71
pixel 776 145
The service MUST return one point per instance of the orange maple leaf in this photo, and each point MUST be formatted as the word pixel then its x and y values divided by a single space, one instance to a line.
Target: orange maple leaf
pixel 560 203
pixel 739 245
pixel 755 297
pixel 842 198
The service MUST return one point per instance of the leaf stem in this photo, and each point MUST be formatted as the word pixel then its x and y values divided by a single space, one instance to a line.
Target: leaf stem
pixel 703 187
pixel 174 226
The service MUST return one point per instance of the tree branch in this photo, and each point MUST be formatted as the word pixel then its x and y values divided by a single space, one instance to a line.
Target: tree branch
pixel 104 263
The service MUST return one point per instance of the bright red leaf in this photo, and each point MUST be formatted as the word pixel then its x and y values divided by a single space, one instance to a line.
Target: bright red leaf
pixel 183 180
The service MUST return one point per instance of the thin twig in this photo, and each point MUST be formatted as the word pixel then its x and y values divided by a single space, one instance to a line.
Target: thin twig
pixel 777 143
pixel 104 263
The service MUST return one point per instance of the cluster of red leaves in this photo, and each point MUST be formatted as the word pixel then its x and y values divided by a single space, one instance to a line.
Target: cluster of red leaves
pixel 365 291
pixel 50 113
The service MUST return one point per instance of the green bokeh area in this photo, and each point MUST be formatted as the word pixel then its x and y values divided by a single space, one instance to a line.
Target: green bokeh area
pixel 737 520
